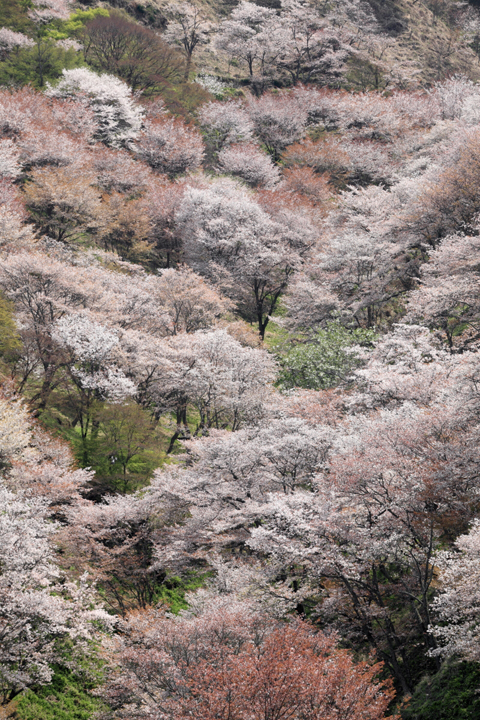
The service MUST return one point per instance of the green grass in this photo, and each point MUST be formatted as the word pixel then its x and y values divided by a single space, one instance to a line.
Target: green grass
pixel 277 338
pixel 173 590
pixel 67 697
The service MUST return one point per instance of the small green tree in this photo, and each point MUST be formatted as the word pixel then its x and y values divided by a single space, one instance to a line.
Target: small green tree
pixel 14 15
pixel 39 64
pixel 9 339
pixel 325 361
pixel 74 27
pixel 124 443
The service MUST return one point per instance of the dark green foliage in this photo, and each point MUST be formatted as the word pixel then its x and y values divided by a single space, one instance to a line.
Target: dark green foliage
pixel 9 340
pixel 136 54
pixel 124 446
pixel 67 697
pixel 14 15
pixel 365 75
pixel 185 98
pixel 389 16
pixel 324 361
pixel 38 65
pixel 276 4
pixel 147 14
pixel 120 442
pixel 452 694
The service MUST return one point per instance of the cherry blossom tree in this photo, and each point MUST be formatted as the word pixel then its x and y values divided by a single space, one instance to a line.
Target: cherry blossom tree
pixel 228 235
pixel 232 660
pixel 170 147
pixel 305 182
pixel 278 121
pixel 249 163
pixel 63 203
pixel 162 202
pixel 119 119
pixel 90 361
pixel 188 29
pixel 46 10
pixel 224 124
pixel 310 47
pixel 41 289
pixel 448 203
pixel 228 478
pixel 248 36
pixel 38 612
pixel 125 575
pixel 14 428
pixel 117 171
pixel 456 607
pixel 188 301
pixel 226 383
pixel 14 232
pixel 296 42
pixel 9 167
pixel 9 40
pixel 446 299
pixel 40 148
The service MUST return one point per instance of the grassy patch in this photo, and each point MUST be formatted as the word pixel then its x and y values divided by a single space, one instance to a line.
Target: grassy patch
pixel 173 590
pixel 67 697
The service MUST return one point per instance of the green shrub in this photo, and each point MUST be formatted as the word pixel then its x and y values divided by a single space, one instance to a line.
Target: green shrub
pixel 9 339
pixel 326 360
pixel 173 589
pixel 67 697
pixel 39 64
pixel 14 15
pixel 451 694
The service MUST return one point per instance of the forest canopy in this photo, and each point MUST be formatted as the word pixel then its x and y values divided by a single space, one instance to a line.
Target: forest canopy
pixel 239 351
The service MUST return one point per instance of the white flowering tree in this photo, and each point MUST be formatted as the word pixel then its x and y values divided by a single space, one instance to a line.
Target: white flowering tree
pixel 37 611
pixel 230 238
pixel 10 40
pixel 187 29
pixel 457 607
pixel 247 162
pixel 118 118
pixel 169 146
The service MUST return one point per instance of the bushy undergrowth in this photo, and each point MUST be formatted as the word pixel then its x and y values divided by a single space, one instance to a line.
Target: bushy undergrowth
pixel 451 694
pixel 67 697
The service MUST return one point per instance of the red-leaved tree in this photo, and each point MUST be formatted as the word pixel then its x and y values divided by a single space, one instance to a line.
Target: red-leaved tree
pixel 231 662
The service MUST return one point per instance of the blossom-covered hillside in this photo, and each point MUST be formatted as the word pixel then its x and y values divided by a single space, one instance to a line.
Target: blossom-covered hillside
pixel 239 351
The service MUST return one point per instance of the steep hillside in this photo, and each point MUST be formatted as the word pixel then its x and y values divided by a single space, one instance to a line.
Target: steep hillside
pixel 411 41
pixel 239 360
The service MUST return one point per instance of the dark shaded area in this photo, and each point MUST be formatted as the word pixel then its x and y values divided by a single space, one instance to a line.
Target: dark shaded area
pixel 274 4
pixel 451 694
pixel 389 16
pixel 146 14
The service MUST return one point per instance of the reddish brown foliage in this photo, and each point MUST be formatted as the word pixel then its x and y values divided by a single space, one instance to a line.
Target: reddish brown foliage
pixel 293 674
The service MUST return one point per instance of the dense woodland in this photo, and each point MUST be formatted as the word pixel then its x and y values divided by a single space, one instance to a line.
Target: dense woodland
pixel 240 360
